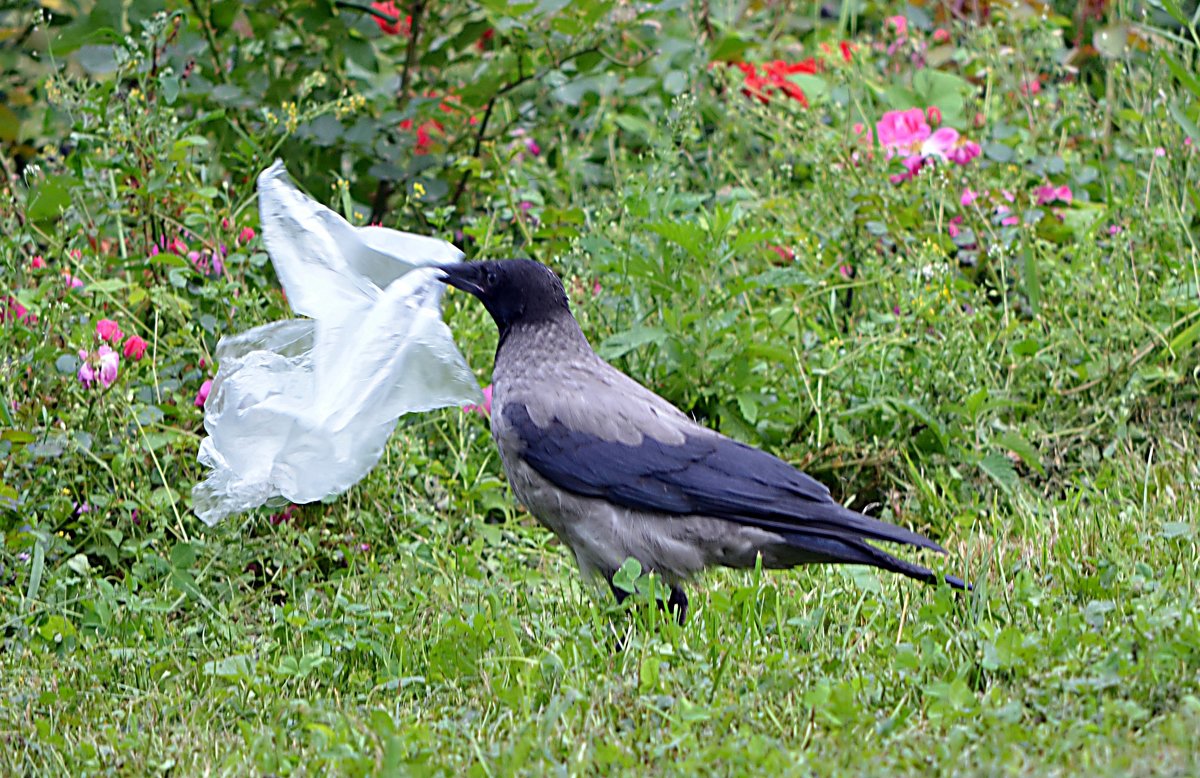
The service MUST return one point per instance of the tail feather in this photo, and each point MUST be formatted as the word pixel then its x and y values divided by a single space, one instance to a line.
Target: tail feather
pixel 851 551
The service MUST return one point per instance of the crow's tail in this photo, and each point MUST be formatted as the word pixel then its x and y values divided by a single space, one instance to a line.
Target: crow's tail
pixel 807 549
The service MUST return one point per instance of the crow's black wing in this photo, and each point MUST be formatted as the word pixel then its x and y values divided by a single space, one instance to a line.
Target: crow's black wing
pixel 707 475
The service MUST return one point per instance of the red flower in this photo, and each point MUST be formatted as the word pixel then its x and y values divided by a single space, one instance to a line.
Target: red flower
pixel 402 25
pixel 774 79
pixel 135 348
pixel 425 131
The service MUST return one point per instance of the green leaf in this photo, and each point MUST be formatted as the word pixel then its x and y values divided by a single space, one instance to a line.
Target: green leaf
pixel 1185 122
pixel 1172 8
pixel 10 125
pixel 626 576
pixel 1000 469
pixel 675 82
pixel 1112 41
pixel 1184 340
pixel 636 125
pixel 688 236
pixel 814 87
pixel 729 49
pixel 622 343
pixel 35 575
pixel 945 90
pixel 1181 73
pixel 1013 442
pixel 183 556
pixel 9 497
pixel 1178 529
pixel 49 198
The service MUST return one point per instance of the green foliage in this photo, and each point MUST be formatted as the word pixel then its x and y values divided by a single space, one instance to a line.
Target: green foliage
pixel 981 358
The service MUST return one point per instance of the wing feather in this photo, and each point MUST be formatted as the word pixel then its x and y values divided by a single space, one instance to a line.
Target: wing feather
pixel 706 475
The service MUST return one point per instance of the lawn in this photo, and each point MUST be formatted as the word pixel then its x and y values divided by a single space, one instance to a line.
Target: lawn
pixel 942 256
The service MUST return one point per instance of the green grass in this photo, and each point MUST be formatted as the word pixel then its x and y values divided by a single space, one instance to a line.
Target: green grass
pixel 1031 404
pixel 462 646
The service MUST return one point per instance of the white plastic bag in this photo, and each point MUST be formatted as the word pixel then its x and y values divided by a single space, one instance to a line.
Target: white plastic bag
pixel 301 409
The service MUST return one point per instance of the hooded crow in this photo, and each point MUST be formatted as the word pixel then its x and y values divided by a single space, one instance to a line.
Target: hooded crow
pixel 615 471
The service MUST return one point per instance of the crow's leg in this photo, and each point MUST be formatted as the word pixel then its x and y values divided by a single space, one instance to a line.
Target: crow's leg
pixel 678 603
pixel 618 592
pixel 622 596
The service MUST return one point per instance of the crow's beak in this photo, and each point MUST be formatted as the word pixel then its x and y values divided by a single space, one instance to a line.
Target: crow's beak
pixel 462 275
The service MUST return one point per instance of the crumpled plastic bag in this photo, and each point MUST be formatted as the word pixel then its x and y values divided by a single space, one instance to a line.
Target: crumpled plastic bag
pixel 301 409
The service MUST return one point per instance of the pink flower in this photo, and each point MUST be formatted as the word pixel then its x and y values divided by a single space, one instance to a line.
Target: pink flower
pixel 1030 87
pixel 952 229
pixel 940 143
pixel 202 395
pixel 934 114
pixel 912 166
pixel 902 131
pixel 940 35
pixel 177 246
pixel 11 309
pixel 846 271
pixel 71 281
pixel 108 331
pixel 37 263
pixel 863 132
pixel 969 196
pixel 533 147
pixel 1115 229
pixel 486 408
pixel 898 23
pixel 1012 198
pixel 109 362
pixel 1009 220
pixel 246 235
pixel 784 253
pixel 284 515
pixel 135 348
pixel 86 373
pixel 964 151
pixel 1049 193
pixel 1160 152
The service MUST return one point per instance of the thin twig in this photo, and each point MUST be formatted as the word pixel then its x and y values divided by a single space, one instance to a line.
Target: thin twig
pixel 384 189
pixel 491 104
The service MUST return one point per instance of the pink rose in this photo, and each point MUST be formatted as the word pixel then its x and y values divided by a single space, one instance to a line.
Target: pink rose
pixel 135 348
pixel 108 331
pixel 202 395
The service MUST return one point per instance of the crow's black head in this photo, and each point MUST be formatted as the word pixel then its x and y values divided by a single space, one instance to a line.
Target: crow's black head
pixel 514 291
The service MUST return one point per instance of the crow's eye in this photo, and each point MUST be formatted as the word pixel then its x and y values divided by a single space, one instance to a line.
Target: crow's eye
pixel 492 278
